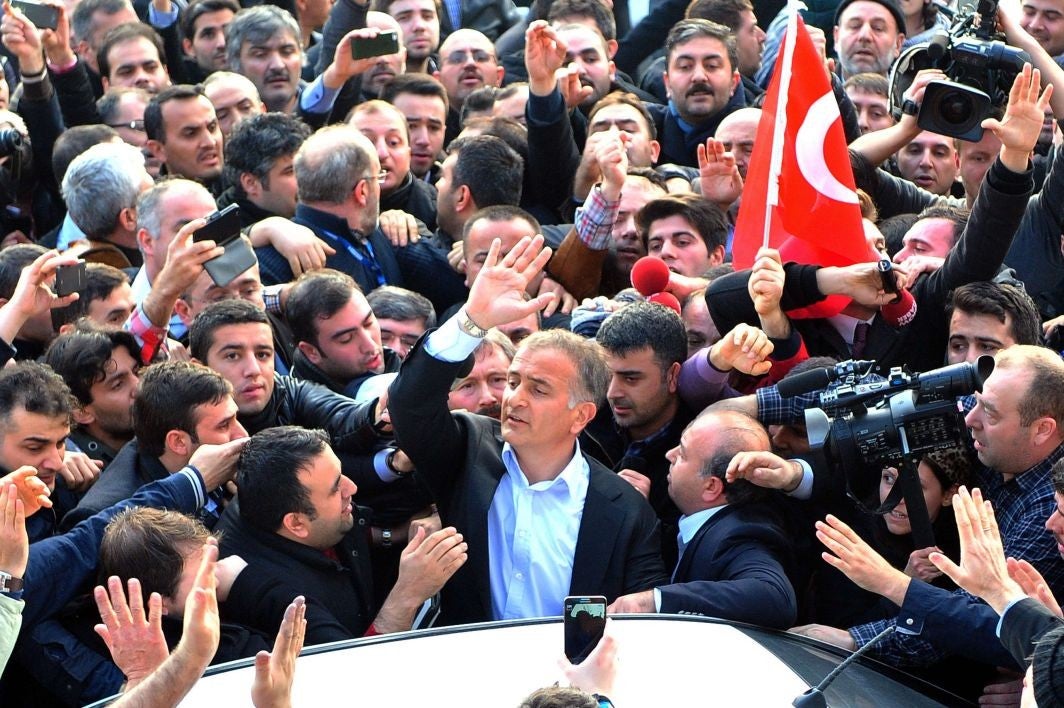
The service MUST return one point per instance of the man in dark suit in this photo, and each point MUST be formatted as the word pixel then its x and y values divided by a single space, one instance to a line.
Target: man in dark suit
pixel 734 550
pixel 542 520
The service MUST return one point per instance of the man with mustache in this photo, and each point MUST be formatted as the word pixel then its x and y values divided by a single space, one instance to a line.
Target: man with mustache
pixel 467 62
pixel 481 390
pixel 701 82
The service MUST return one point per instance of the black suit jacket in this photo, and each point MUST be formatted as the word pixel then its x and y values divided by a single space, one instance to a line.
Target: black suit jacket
pixel 733 568
pixel 459 456
pixel 1023 625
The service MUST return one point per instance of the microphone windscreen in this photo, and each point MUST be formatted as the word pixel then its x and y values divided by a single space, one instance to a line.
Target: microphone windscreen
pixel 650 275
pixel 805 382
pixel 666 299
pixel 900 313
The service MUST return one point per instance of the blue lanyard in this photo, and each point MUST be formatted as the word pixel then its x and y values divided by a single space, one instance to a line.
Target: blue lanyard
pixel 370 264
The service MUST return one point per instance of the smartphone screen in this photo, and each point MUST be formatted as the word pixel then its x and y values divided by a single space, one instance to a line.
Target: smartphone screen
pixel 585 620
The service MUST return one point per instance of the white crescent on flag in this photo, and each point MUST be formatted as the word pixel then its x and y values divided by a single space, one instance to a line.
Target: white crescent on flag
pixel 809 149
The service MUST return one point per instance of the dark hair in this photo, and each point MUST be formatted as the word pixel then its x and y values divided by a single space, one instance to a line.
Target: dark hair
pixel 479 101
pixel 505 129
pixel 418 85
pixel 1000 300
pixel 645 324
pixel 153 112
pixel 149 545
pixel 491 169
pixel 728 444
pixel 500 212
pixel 390 302
pixel 706 218
pixel 724 12
pixel 268 474
pixel 257 143
pixel 168 397
pixel 958 216
pixel 74 141
pixel 625 98
pixel 81 357
pixel 36 388
pixel 126 32
pixel 317 295
pixel 894 229
pixel 686 30
pixel 869 83
pixel 197 9
pixel 650 175
pixel 591 9
pixel 220 314
pixel 107 104
pixel 12 261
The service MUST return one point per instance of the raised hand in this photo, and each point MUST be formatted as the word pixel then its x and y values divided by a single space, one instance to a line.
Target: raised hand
pixel 498 294
pixel 745 349
pixel 1018 130
pixel 850 554
pixel 32 491
pixel 718 174
pixel 14 543
pixel 275 671
pixel 135 640
pixel 544 56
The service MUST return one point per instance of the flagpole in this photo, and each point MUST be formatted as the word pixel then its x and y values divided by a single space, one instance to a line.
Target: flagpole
pixel 780 127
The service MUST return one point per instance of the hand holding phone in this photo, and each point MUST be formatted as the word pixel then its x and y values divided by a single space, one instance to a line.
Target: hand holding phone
pixel 584 619
pixel 42 16
pixel 384 44
pixel 69 279
pixel 221 227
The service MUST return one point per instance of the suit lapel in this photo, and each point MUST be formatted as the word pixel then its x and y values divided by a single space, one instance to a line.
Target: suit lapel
pixel 599 527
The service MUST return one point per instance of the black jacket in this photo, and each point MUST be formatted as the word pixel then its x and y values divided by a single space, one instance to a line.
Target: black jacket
pixel 680 147
pixel 460 457
pixel 416 197
pixel 343 587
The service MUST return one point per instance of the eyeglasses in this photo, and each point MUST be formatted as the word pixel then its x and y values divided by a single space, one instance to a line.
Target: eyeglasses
pixel 137 125
pixel 461 56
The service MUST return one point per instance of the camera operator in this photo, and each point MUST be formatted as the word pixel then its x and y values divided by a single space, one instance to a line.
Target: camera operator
pixel 1016 423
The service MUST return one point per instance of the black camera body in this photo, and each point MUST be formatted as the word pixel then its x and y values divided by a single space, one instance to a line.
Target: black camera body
pixel 980 69
pixel 862 428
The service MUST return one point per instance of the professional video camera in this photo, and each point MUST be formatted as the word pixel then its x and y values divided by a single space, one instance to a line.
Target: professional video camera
pixel 980 67
pixel 892 423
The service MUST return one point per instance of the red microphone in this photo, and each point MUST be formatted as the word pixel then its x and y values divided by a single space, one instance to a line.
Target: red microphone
pixel 650 275
pixel 666 299
pixel 901 312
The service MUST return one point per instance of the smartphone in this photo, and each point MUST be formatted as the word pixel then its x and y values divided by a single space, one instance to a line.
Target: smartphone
pixel 385 43
pixel 69 279
pixel 42 16
pixel 585 621
pixel 221 227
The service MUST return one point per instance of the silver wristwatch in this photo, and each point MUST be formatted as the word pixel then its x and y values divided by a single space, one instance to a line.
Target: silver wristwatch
pixel 469 326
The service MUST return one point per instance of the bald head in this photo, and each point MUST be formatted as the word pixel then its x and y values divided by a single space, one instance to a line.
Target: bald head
pixel 738 131
pixel 467 62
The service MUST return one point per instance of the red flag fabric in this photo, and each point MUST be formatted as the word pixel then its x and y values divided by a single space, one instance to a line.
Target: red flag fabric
pixel 818 218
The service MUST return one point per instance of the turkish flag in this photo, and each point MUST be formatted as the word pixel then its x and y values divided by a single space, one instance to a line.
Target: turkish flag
pixel 816 217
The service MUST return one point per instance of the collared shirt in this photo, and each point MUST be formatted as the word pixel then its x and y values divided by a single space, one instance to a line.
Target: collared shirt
pixel 595 219
pixel 532 531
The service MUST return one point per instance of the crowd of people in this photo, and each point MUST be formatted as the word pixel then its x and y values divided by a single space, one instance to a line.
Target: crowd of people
pixel 428 394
